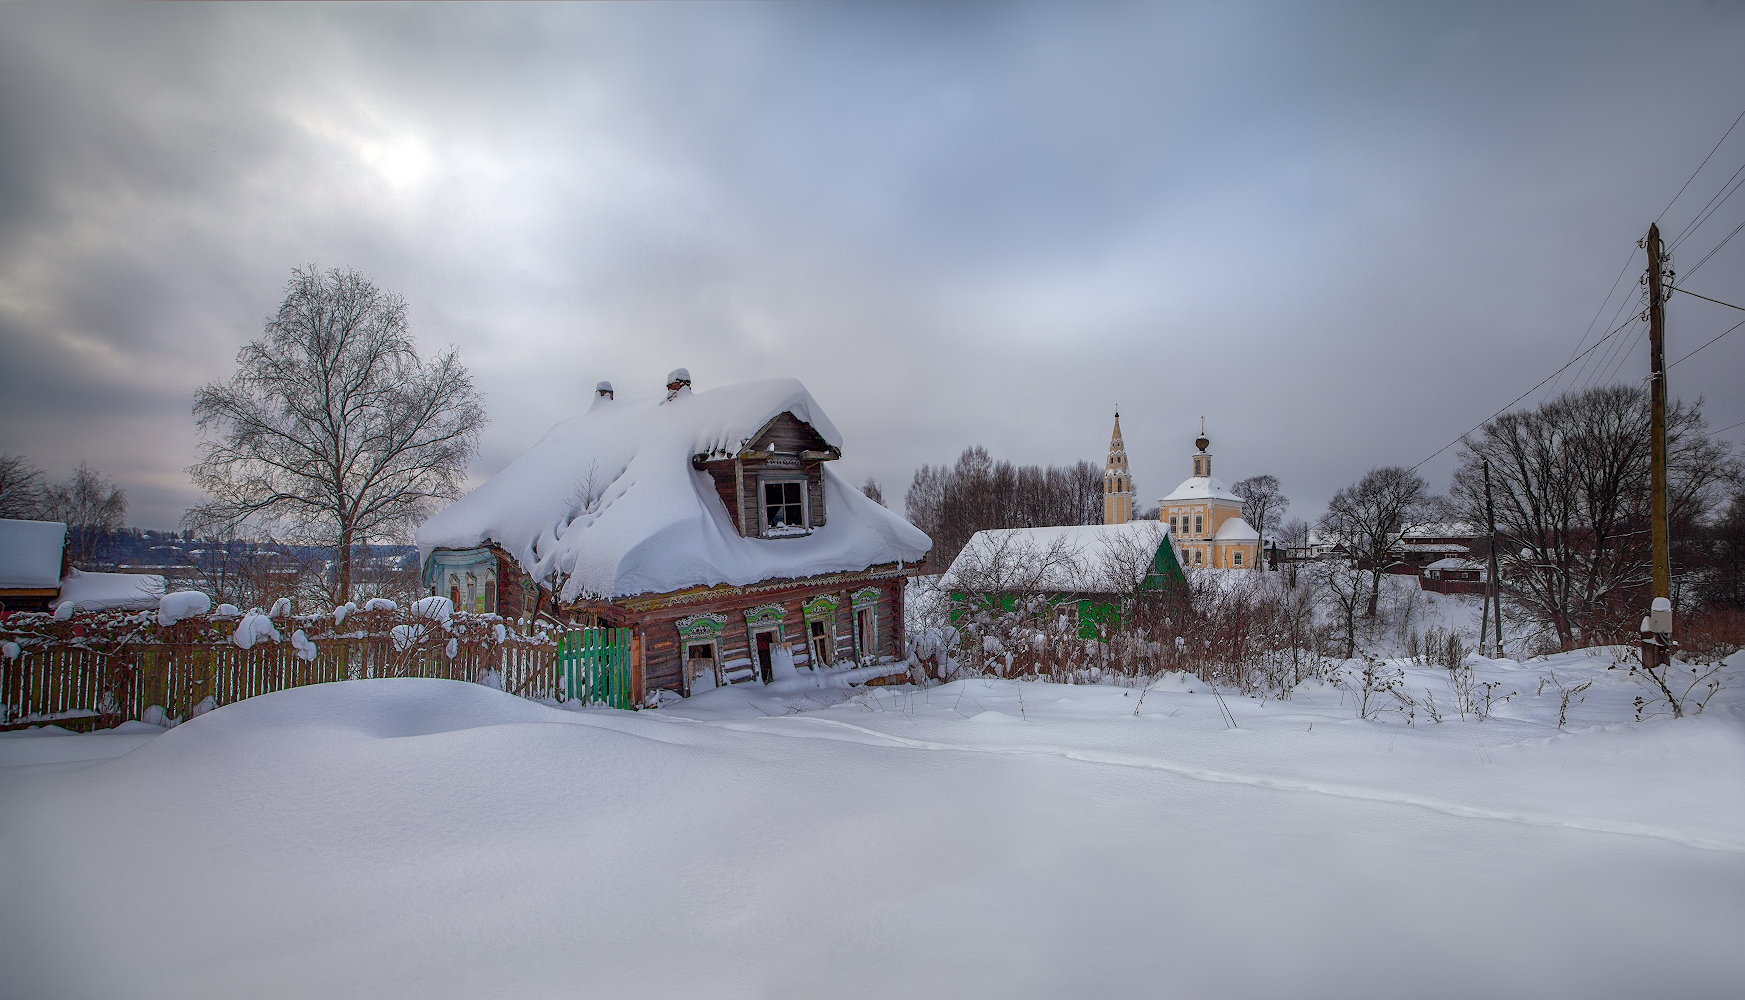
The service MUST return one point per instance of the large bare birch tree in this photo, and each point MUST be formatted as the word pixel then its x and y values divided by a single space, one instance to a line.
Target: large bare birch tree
pixel 332 427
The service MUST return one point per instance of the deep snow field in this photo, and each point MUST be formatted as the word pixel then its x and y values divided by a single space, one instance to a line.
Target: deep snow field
pixel 981 838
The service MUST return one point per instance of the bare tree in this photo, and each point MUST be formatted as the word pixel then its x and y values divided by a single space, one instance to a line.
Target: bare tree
pixel 1293 536
pixel 332 425
pixel 872 491
pixel 1370 514
pixel 1263 504
pixel 979 493
pixel 92 506
pixel 1569 480
pixel 1343 588
pixel 21 487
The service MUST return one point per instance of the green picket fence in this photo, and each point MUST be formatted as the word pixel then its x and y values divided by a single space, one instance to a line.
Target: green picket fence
pixel 594 666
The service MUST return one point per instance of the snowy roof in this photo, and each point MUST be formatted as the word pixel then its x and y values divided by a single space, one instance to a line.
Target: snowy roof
pixel 656 523
pixel 1452 564
pixel 110 591
pixel 30 554
pixel 1442 529
pixel 1201 488
pixel 1068 558
pixel 1235 529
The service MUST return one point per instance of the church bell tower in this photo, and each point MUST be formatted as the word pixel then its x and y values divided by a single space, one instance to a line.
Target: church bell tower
pixel 1117 481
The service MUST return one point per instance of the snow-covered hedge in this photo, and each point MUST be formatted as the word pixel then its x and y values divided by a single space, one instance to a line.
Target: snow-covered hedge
pixel 188 619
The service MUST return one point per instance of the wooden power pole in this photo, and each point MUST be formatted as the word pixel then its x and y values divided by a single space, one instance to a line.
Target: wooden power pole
pixel 1662 556
pixel 1493 591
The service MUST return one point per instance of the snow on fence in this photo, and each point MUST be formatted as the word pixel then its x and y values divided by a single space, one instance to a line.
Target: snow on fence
pixel 108 669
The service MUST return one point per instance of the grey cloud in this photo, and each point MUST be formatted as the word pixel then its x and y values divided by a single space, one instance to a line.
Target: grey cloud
pixel 1344 233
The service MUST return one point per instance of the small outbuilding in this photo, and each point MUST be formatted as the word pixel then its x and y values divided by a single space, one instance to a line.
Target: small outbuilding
pixel 1452 576
pixel 33 558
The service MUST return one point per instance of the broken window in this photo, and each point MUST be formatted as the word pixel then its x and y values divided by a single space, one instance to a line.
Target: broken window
pixel 784 506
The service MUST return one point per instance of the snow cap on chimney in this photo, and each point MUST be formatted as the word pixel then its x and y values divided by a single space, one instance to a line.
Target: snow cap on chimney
pixel 677 381
pixel 603 389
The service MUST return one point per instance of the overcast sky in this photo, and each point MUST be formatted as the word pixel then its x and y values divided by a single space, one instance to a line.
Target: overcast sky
pixel 1343 234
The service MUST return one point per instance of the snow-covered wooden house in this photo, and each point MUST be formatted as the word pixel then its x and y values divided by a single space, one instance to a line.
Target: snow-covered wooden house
pixel 1085 569
pixel 708 523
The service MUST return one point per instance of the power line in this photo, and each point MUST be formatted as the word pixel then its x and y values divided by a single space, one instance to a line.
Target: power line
pixel 1700 166
pixel 1618 350
pixel 1705 298
pixel 1716 337
pixel 1616 330
pixel 1727 428
pixel 1590 323
pixel 1714 205
pixel 1524 395
pixel 1715 250
pixel 1623 358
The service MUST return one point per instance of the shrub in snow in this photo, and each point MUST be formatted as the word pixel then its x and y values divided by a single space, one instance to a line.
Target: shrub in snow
pixel 227 611
pixel 206 704
pixel 66 610
pixel 452 649
pixel 440 608
pixel 172 608
pixel 253 628
pixel 155 715
pixel 340 612
pixel 10 650
pixel 405 637
pixel 281 608
pixel 380 604
pixel 500 633
pixel 305 649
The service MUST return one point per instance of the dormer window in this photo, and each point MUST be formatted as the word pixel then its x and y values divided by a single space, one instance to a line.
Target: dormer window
pixel 785 508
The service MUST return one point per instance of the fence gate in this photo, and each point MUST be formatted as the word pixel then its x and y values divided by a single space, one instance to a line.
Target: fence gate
pixel 594 664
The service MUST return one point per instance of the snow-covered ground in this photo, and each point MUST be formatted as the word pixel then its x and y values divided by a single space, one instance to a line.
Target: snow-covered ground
pixel 980 838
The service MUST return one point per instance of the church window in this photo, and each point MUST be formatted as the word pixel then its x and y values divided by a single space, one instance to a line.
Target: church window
pixel 1199 557
pixel 1237 557
pixel 1199 525
pixel 1172 525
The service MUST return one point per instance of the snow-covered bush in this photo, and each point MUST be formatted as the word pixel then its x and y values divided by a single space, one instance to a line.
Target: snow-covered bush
pixel 253 628
pixel 172 608
pixel 439 608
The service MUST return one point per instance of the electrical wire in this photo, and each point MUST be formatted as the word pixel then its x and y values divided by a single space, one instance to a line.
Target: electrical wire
pixel 1524 395
pixel 1705 298
pixel 1623 357
pixel 1716 337
pixel 1634 319
pixel 1716 249
pixel 1619 350
pixel 1708 210
pixel 1600 310
pixel 1700 166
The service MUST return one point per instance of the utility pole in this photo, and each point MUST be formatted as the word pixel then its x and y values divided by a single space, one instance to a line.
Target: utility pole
pixel 1493 592
pixel 1662 558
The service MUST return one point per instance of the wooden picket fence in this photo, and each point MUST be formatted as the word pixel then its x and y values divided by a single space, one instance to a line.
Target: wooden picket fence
pixel 81 687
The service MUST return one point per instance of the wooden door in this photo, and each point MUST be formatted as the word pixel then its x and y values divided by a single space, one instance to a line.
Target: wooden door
pixel 700 662
pixel 765 656
pixel 821 643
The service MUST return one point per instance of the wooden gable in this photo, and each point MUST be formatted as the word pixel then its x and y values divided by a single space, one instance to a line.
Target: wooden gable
pixel 786 446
